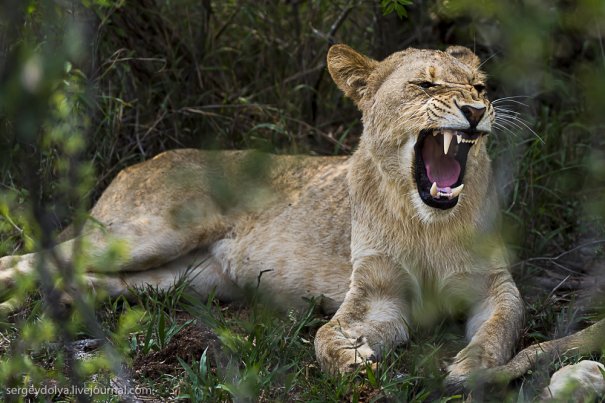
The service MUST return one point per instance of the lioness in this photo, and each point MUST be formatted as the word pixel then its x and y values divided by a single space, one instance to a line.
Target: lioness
pixel 402 229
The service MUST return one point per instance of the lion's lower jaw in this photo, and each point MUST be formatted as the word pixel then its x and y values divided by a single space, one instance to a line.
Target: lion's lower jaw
pixel 430 215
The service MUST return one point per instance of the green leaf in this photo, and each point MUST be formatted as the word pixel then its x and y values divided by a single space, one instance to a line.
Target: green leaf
pixel 397 6
pixel 162 330
pixel 190 373
pixel 371 375
pixel 521 395
pixel 148 338
pixel 203 367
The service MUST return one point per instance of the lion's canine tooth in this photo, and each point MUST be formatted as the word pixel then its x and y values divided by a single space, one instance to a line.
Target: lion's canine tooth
pixel 434 189
pixel 459 138
pixel 447 139
pixel 456 191
pixel 435 132
pixel 477 146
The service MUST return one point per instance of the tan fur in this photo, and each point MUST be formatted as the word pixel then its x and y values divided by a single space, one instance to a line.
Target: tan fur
pixel 351 231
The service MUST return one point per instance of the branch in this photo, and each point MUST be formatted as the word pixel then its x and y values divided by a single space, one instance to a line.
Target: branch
pixel 587 341
pixel 338 23
pixel 329 36
pixel 559 256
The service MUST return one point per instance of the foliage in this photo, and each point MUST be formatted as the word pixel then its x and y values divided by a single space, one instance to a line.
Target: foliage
pixel 398 6
pixel 87 89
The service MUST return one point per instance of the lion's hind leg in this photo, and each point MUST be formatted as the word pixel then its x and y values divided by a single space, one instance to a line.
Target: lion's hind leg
pixel 99 251
pixel 200 271
pixel 109 252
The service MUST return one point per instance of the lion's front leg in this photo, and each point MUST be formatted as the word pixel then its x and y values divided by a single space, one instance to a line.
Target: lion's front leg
pixel 371 318
pixel 493 330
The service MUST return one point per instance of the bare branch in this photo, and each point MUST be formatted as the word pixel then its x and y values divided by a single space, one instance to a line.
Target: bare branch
pixel 587 341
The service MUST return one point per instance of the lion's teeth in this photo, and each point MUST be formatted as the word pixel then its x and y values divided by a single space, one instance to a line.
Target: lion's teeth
pixel 477 146
pixel 456 191
pixel 459 138
pixel 447 139
pixel 434 189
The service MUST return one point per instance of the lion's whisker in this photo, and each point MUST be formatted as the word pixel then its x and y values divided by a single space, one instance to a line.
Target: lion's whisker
pixel 512 120
pixel 499 126
pixel 501 109
pixel 501 100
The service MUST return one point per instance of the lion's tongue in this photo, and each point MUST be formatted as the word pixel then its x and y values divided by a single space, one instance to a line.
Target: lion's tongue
pixel 440 168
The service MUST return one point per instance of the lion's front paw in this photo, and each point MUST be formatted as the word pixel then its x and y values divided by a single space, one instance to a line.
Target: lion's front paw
pixel 360 353
pixel 354 353
pixel 338 352
pixel 466 363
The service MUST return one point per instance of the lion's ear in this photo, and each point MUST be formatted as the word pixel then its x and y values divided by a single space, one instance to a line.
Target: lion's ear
pixel 350 70
pixel 465 55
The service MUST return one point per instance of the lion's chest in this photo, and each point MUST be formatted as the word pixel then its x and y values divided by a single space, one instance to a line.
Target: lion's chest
pixel 441 277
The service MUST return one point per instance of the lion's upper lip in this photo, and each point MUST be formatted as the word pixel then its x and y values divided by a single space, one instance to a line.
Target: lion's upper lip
pixel 461 136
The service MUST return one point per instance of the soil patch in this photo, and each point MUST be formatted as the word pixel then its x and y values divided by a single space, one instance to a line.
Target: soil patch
pixel 188 344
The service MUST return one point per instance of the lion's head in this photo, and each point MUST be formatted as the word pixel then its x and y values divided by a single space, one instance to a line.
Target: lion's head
pixel 425 115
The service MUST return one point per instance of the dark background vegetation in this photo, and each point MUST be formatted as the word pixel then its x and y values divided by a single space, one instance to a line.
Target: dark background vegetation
pixel 89 87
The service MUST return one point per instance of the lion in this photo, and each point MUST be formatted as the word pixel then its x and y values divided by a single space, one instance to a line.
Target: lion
pixel 402 231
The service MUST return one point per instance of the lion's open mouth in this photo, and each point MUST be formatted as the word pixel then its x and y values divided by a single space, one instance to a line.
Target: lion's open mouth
pixel 440 163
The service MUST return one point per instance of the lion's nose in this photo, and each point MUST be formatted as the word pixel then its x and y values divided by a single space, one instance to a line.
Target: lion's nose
pixel 472 114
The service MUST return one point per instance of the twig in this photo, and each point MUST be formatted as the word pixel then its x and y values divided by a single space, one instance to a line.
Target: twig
pixel 341 18
pixel 559 256
pixel 154 124
pixel 557 287
pixel 260 274
pixel 113 59
pixel 199 110
pixel 16 227
pixel 227 23
pixel 297 76
pixel 329 37
pixel 320 132
pixel 587 341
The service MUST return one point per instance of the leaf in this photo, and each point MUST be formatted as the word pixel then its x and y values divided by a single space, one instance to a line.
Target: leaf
pixel 401 11
pixel 269 126
pixel 521 395
pixel 174 329
pixel 190 373
pixel 398 6
pixel 371 375
pixel 162 330
pixel 148 338
pixel 229 388
pixel 203 367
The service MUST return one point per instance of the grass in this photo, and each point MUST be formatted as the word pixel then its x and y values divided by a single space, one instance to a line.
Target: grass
pixel 255 353
pixel 182 348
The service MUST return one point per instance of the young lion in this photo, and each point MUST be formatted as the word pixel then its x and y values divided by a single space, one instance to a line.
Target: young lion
pixel 398 232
